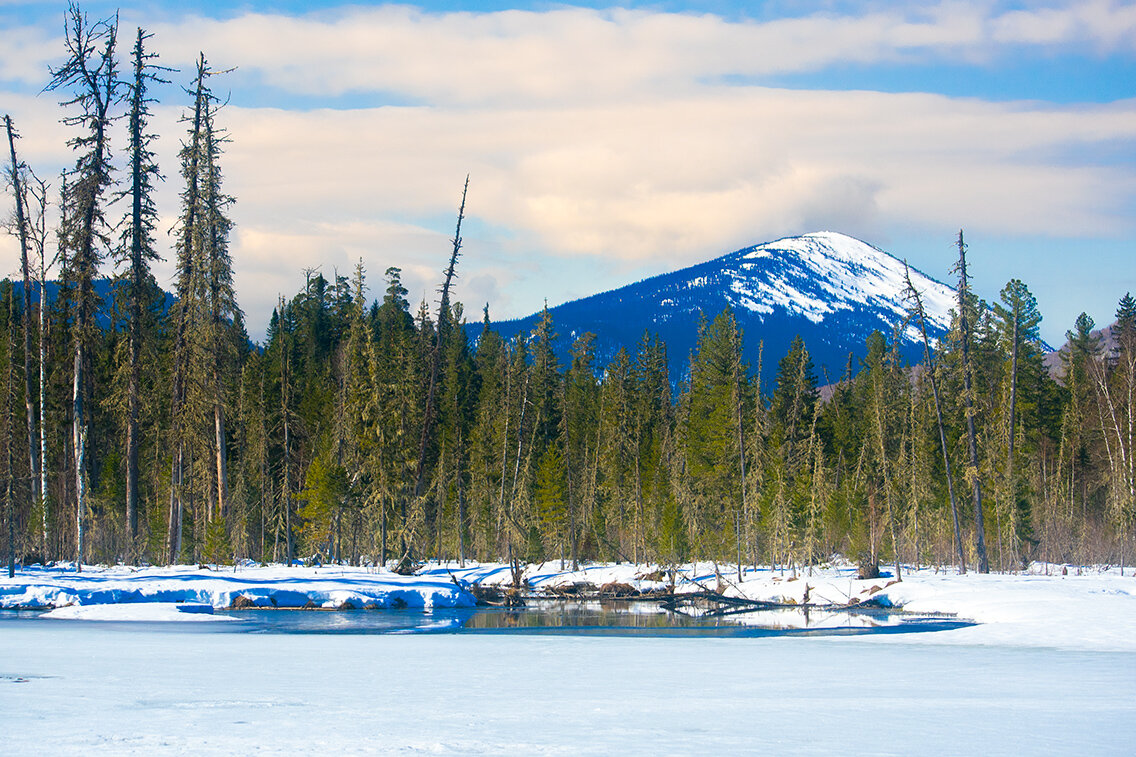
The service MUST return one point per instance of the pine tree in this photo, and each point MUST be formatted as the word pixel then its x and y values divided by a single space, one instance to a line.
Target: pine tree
pixel 36 206
pixel 397 377
pixel 488 442
pixel 716 409
pixel 550 502
pixel 8 418
pixel 18 179
pixel 137 251
pixel 206 316
pixel 1019 331
pixel 90 70
pixel 885 386
pixel 579 418
pixel 1114 381
pixel 793 399
pixel 615 465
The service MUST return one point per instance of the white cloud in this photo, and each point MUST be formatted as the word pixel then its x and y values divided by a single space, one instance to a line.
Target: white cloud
pixel 601 143
pixel 1108 24
pixel 573 54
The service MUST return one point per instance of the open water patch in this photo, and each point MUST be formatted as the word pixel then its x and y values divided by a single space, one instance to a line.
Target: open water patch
pixel 627 618
pixel 594 618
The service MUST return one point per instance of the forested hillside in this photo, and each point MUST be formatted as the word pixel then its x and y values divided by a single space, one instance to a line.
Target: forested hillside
pixel 368 428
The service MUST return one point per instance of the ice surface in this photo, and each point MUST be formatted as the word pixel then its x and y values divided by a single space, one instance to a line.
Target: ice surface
pixel 71 688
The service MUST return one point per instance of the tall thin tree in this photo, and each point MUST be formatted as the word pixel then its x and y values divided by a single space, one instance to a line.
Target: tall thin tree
pixel 929 362
pixel 23 234
pixel 90 70
pixel 972 474
pixel 7 422
pixel 138 252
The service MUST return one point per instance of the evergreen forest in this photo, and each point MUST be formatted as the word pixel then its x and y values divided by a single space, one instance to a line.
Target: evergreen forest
pixel 139 428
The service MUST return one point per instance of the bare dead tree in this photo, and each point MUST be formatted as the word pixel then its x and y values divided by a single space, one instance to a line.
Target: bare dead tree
pixel 436 353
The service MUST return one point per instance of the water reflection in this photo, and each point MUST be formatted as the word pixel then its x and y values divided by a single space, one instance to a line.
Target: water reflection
pixel 645 618
pixel 591 617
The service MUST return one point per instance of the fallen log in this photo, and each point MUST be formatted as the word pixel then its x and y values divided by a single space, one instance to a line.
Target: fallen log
pixel 715 603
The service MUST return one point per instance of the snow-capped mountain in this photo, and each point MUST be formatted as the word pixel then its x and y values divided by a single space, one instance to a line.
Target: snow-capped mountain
pixel 831 289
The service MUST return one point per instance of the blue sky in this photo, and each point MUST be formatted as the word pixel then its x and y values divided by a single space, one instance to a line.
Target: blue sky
pixel 609 143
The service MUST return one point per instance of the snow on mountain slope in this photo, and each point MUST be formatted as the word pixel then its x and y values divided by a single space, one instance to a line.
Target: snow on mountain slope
pixel 829 288
pixel 843 271
pixel 822 273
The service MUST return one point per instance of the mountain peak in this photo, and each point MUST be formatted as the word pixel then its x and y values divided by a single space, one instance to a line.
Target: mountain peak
pixel 829 288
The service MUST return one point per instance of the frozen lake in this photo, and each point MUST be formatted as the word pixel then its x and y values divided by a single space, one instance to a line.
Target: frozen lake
pixel 180 688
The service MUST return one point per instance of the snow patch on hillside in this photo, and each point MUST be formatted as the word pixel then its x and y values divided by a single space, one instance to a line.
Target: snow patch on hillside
pixel 817 274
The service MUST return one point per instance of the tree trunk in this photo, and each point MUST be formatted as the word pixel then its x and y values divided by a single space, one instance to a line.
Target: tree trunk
pixel 1011 484
pixel 173 534
pixel 132 412
pixel 287 493
pixel 968 402
pixel 79 439
pixel 221 457
pixel 743 516
pixel 8 422
pixel 42 401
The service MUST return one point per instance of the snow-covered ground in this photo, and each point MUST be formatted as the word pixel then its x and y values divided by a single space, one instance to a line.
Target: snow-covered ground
pixel 1049 669
pixel 263 586
pixel 1049 606
pixel 153 612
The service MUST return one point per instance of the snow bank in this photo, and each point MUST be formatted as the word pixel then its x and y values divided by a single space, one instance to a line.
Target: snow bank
pixel 1087 612
pixel 1092 611
pixel 269 586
